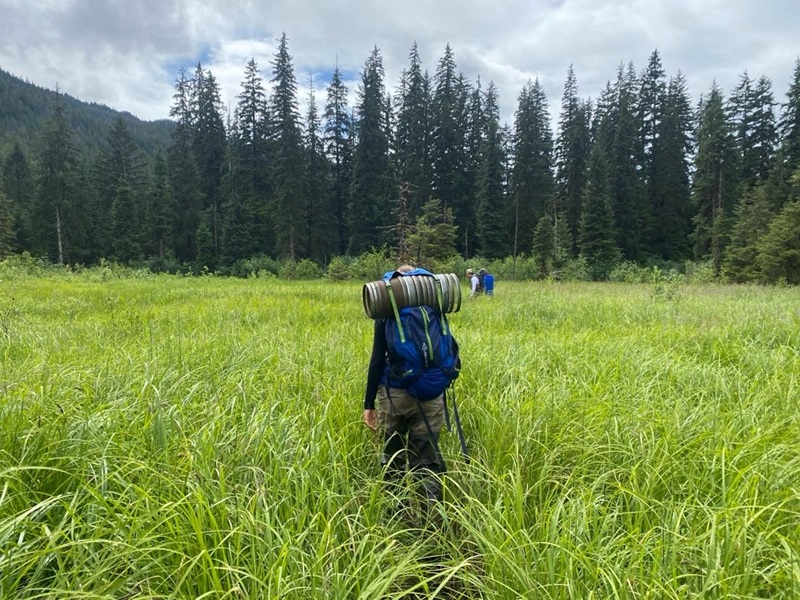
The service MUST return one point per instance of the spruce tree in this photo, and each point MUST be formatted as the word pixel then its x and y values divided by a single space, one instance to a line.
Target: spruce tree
pixel 778 257
pixel 236 228
pixel 323 234
pixel 650 110
pixel 465 189
pixel 491 212
pixel 630 135
pixel 473 147
pixel 291 211
pixel 532 186
pixel 790 122
pixel 372 193
pixel 715 182
pixel 434 234
pixel 740 107
pixel 765 129
pixel 338 143
pixel 448 135
pixel 61 213
pixel 572 148
pixel 183 175
pixel 209 144
pixel 413 149
pixel 751 109
pixel 751 222
pixel 18 184
pixel 671 188
pixel 160 213
pixel 597 237
pixel 247 185
pixel 122 164
pixel 562 242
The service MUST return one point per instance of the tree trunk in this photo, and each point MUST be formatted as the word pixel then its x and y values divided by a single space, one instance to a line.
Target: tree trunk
pixel 59 239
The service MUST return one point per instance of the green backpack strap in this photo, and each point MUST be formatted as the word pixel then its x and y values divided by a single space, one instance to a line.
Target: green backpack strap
pixel 395 310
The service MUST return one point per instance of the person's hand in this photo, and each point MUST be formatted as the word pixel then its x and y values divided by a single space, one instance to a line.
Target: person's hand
pixel 371 418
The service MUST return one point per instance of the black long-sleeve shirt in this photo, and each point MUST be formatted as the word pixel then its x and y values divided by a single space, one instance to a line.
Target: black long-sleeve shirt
pixel 377 363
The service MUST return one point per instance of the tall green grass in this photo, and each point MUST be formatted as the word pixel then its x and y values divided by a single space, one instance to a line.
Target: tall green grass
pixel 168 437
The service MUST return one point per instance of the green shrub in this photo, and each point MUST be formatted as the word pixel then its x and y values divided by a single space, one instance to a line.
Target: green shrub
pixel 699 271
pixel 257 266
pixel 308 269
pixel 630 272
pixel 339 268
pixel 575 269
pixel 18 265
pixel 371 266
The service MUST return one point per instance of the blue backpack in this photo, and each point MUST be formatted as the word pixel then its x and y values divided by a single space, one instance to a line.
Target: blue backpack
pixel 423 354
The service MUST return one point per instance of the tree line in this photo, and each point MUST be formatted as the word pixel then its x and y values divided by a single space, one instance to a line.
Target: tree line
pixel 426 170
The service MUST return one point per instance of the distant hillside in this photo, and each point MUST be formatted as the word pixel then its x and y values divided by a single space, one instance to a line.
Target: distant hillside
pixel 24 107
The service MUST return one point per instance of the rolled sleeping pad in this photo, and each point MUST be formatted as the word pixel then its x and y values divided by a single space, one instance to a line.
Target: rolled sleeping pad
pixel 411 290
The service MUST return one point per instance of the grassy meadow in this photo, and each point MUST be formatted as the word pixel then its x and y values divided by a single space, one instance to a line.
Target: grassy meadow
pixel 169 437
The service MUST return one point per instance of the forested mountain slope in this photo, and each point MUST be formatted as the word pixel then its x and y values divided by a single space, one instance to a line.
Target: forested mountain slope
pixel 24 107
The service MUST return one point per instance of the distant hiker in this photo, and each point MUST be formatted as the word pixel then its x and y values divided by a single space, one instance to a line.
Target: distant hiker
pixel 486 282
pixel 411 409
pixel 474 283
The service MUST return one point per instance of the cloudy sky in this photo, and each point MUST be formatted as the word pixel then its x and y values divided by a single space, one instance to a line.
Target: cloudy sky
pixel 126 53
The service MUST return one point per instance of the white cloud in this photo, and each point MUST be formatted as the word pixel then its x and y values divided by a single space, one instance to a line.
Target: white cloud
pixel 126 54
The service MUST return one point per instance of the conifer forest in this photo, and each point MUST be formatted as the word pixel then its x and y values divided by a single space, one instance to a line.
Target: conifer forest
pixel 422 169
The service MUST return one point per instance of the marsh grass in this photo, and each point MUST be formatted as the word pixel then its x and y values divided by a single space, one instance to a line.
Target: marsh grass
pixel 168 437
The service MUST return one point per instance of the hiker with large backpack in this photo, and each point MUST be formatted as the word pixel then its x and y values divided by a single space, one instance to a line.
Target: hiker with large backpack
pixel 414 360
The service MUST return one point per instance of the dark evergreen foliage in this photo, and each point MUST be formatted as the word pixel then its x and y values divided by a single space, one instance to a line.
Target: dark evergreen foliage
pixel 160 213
pixel 448 135
pixel 790 122
pixel 7 236
pixel 338 144
pixel 125 228
pixel 492 209
pixel 532 185
pixel 751 223
pixel 413 138
pixel 473 148
pixel 572 148
pixel 779 250
pixel 433 236
pixel 18 184
pixel 121 164
pixel 323 231
pixel 631 145
pixel 246 183
pixel 429 172
pixel 183 173
pixel 290 203
pixel 25 107
pixel 372 194
pixel 715 181
pixel 61 209
pixel 597 235
pixel 670 177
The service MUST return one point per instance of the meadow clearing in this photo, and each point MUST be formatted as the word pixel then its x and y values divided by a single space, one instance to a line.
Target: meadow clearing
pixel 175 437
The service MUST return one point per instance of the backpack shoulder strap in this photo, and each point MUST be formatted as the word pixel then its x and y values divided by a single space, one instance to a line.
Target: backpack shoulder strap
pixel 395 310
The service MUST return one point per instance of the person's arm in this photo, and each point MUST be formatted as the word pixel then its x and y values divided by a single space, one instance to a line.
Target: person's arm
pixel 474 283
pixel 377 363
